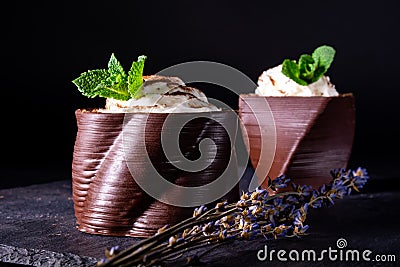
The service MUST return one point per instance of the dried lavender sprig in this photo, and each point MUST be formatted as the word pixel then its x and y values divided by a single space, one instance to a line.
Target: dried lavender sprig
pixel 256 213
pixel 140 249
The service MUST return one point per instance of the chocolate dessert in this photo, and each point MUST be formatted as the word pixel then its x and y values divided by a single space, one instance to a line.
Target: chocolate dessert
pixel 314 124
pixel 313 134
pixel 109 161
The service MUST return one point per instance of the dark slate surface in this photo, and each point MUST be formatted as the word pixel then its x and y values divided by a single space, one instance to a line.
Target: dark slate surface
pixel 38 228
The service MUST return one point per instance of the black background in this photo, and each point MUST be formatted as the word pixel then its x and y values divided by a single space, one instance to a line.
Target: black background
pixel 46 45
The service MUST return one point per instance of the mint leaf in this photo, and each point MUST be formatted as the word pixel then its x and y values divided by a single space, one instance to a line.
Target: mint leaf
pixel 118 91
pixel 114 67
pixel 113 83
pixel 116 85
pixel 307 66
pixel 310 68
pixel 324 56
pixel 291 70
pixel 88 81
pixel 135 77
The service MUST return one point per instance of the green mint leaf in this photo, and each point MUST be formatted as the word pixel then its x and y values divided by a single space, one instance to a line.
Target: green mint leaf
pixel 117 73
pixel 310 68
pixel 307 66
pixel 88 81
pixel 135 77
pixel 114 67
pixel 118 91
pixel 114 82
pixel 324 56
pixel 291 70
pixel 116 85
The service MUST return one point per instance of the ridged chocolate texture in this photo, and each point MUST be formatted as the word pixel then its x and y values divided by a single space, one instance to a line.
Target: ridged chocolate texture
pixel 107 200
pixel 313 134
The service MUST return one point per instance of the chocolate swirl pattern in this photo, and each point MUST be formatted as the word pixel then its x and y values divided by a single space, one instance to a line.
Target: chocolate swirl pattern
pixel 107 198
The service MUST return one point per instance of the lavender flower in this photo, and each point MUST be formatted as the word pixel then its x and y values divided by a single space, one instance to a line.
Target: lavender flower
pixel 279 182
pixel 256 214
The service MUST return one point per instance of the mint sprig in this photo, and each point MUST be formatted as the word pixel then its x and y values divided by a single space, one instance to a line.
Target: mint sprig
pixel 113 82
pixel 135 79
pixel 309 69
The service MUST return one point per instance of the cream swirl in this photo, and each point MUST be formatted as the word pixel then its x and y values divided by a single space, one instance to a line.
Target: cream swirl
pixel 163 94
pixel 274 83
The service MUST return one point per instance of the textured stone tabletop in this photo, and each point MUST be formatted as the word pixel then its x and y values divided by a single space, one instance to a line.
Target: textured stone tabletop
pixel 37 227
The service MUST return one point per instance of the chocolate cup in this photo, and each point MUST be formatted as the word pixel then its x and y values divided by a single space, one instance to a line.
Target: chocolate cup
pixel 107 199
pixel 313 134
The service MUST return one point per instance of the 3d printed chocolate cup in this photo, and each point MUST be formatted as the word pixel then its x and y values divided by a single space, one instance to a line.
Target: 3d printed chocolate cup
pixel 313 134
pixel 107 199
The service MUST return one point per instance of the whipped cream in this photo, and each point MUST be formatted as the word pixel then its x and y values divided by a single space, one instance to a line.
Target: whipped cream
pixel 163 94
pixel 274 83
